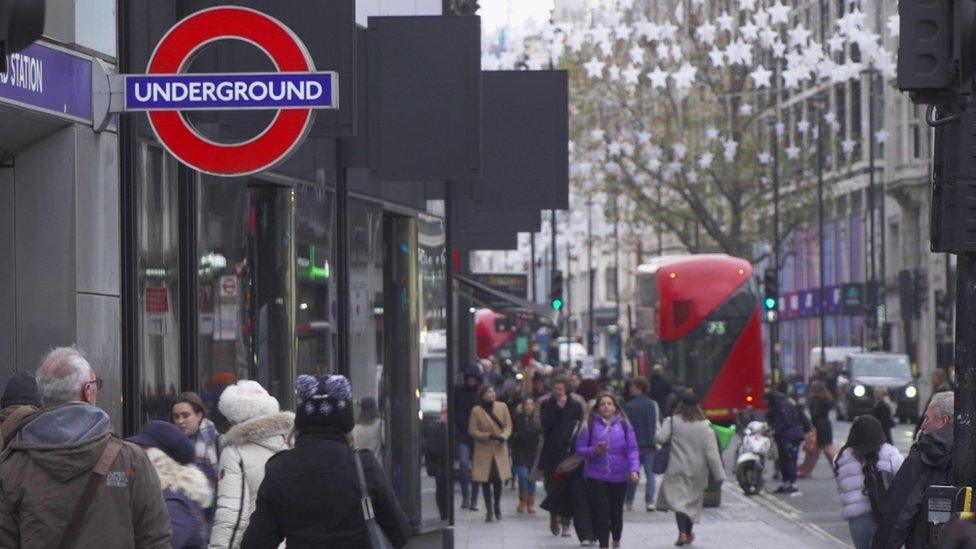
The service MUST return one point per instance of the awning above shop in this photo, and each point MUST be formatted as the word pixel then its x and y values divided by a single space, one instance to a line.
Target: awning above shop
pixel 489 296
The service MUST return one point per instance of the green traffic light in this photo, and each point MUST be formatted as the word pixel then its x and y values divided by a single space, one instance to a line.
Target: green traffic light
pixel 557 304
pixel 770 303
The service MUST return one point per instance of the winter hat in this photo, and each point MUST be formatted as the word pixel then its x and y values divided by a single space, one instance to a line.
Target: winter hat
pixel 168 438
pixel 246 400
pixel 474 370
pixel 324 400
pixel 20 389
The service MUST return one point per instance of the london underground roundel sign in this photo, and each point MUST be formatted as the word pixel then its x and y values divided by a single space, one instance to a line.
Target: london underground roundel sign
pixel 295 90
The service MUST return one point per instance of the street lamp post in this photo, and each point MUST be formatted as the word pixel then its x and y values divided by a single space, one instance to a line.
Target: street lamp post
pixel 590 276
pixel 871 316
pixel 820 230
pixel 774 325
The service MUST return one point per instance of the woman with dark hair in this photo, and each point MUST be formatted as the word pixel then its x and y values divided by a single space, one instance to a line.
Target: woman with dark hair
pixel 694 459
pixel 525 442
pixel 369 430
pixel 190 415
pixel 884 411
pixel 310 495
pixel 490 426
pixel 608 444
pixel 819 403
pixel 864 450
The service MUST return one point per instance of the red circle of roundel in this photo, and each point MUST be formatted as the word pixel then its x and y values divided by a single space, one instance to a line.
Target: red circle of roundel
pixel 171 56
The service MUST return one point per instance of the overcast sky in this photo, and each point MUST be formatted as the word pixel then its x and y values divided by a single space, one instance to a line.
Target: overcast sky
pixel 497 13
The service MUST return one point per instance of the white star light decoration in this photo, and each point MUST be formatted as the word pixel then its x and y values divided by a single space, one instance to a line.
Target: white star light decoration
pixel 658 78
pixel 705 160
pixel 761 77
pixel 594 68
pixel 685 76
pixel 847 146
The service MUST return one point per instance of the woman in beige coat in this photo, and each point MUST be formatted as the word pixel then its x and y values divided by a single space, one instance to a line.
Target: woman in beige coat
pixel 490 426
pixel 694 456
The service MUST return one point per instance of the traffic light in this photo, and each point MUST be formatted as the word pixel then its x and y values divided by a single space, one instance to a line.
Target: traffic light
pixel 771 292
pixel 21 23
pixel 556 293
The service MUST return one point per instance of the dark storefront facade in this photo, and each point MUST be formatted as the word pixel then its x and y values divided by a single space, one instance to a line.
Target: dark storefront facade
pixel 229 278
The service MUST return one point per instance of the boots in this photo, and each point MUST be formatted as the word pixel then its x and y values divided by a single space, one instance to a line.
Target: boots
pixel 523 503
pixel 465 501
pixel 530 504
pixel 489 516
pixel 498 507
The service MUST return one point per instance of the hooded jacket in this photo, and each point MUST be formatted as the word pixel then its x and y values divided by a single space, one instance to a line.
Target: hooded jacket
pixel 784 418
pixel 465 398
pixel 928 464
pixel 246 449
pixel 622 456
pixel 310 496
pixel 850 478
pixel 50 460
pixel 187 492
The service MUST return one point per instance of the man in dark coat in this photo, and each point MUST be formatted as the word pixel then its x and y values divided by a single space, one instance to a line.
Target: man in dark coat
pixel 785 421
pixel 928 464
pixel 660 389
pixel 644 415
pixel 465 398
pixel 559 417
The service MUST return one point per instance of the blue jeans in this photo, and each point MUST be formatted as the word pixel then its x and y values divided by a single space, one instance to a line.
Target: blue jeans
pixel 647 462
pixel 464 474
pixel 862 530
pixel 525 484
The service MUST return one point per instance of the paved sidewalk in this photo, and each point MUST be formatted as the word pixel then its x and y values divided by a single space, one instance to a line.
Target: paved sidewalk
pixel 740 522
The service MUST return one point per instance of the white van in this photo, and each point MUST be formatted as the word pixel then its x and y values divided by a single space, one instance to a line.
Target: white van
pixel 834 355
pixel 433 372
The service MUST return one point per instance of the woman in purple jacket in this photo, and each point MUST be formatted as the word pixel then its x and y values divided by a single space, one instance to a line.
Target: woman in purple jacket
pixel 609 445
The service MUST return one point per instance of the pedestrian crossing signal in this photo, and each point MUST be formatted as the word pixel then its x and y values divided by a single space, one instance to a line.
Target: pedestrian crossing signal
pixel 770 303
pixel 557 304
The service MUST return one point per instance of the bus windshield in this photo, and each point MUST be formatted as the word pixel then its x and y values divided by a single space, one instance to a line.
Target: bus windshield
pixel 696 359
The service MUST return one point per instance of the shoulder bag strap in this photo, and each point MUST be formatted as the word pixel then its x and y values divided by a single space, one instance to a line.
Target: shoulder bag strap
pixel 366 501
pixel 671 434
pixel 105 462
pixel 240 510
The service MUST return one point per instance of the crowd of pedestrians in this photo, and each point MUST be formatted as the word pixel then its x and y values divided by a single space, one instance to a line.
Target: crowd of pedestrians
pixel 275 477
pixel 588 444
pixel 295 477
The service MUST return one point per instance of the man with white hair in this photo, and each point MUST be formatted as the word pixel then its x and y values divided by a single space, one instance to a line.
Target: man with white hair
pixel 928 464
pixel 108 494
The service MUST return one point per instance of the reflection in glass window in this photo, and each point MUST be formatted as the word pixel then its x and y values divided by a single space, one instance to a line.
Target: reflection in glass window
pixel 245 288
pixel 157 272
pixel 432 268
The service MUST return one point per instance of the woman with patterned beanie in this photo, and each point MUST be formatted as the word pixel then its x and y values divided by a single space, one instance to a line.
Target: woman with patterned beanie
pixel 310 495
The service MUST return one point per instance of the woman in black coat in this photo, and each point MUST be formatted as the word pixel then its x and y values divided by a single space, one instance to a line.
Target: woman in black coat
pixel 310 495
pixel 525 443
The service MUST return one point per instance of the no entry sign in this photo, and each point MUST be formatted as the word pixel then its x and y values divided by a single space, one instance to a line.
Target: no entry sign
pixel 294 91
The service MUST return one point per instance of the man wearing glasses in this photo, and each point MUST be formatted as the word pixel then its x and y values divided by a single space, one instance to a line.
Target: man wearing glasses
pixel 107 491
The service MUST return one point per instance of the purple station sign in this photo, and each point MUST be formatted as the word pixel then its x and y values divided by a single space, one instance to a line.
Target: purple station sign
pixel 50 80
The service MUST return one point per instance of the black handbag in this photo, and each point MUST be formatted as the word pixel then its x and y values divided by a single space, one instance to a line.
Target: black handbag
pixel 377 538
pixel 663 456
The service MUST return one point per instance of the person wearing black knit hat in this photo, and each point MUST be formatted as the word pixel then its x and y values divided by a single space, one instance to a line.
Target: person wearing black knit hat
pixel 20 400
pixel 310 494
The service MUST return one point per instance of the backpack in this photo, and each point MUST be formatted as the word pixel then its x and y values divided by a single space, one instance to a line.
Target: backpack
pixel 876 485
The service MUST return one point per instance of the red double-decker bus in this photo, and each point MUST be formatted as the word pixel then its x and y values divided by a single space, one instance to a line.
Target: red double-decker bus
pixel 699 316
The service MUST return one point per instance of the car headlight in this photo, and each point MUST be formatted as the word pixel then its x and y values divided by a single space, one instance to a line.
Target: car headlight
pixel 910 391
pixel 859 391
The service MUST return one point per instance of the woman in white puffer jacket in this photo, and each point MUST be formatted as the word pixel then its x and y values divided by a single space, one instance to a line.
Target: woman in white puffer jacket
pixel 866 442
pixel 260 430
